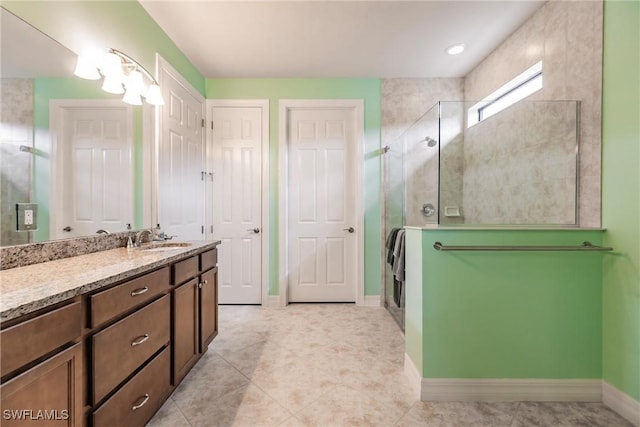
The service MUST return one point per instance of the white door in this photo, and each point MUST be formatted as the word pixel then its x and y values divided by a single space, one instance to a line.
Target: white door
pixel 95 172
pixel 322 211
pixel 236 140
pixel 180 159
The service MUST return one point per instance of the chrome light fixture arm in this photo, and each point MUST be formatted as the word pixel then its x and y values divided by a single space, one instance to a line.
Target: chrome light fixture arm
pixel 130 62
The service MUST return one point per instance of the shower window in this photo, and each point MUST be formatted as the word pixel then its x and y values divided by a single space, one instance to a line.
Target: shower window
pixel 517 89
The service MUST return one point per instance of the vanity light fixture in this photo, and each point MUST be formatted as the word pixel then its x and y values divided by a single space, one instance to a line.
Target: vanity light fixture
pixel 121 72
pixel 455 49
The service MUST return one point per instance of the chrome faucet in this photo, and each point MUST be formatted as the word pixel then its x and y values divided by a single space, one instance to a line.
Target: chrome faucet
pixel 103 231
pixel 139 235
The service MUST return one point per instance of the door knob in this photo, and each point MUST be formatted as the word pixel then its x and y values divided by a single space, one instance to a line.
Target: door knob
pixel 255 230
pixel 350 229
pixel 67 228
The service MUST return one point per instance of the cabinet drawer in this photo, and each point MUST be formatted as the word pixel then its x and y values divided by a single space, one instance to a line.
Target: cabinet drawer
pixel 136 402
pixel 107 304
pixel 121 348
pixel 25 342
pixel 185 270
pixel 208 259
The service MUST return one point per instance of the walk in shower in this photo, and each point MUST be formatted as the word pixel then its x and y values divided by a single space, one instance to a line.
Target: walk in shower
pixel 457 167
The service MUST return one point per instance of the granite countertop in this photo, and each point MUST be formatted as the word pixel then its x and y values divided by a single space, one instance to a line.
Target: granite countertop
pixel 30 288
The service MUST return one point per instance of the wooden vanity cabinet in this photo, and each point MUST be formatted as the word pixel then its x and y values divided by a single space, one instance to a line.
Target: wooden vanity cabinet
pixel 49 394
pixel 195 311
pixel 110 357
pixel 42 369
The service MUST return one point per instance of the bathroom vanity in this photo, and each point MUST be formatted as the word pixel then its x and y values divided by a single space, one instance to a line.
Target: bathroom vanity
pixel 103 339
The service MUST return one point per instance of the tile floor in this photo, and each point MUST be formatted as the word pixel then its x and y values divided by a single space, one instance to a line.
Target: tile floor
pixel 331 365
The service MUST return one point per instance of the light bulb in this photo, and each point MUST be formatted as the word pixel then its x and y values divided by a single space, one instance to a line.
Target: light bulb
pixel 154 95
pixel 86 69
pixel 111 65
pixel 113 84
pixel 134 82
pixel 132 97
pixel 455 49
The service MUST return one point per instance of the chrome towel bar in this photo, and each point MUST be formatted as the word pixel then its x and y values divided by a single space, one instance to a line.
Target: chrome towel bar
pixel 586 246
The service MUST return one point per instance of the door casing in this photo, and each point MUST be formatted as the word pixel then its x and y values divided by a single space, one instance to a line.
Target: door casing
pixel 284 107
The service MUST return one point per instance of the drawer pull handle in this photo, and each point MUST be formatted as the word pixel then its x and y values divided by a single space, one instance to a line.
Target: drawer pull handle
pixel 206 281
pixel 145 399
pixel 139 291
pixel 139 340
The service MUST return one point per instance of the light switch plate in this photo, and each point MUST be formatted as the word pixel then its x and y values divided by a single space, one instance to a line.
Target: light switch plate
pixel 26 216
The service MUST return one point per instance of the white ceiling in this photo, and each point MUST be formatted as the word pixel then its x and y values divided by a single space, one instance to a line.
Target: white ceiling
pixel 337 38
pixel 29 53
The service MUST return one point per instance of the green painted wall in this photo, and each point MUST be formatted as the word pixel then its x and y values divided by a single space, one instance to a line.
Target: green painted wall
pixel 85 26
pixel 413 320
pixel 45 90
pixel 510 314
pixel 621 195
pixel 276 89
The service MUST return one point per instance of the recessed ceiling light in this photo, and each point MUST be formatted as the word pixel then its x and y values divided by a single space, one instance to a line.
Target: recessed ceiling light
pixel 455 49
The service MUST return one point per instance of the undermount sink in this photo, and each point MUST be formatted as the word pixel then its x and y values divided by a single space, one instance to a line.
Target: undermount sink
pixel 164 246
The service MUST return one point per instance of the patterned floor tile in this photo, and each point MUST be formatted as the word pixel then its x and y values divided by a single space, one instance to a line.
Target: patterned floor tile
pixel 332 365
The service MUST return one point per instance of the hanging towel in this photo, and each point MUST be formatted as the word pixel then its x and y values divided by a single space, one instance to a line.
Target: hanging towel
pixel 398 257
pixel 397 292
pixel 391 244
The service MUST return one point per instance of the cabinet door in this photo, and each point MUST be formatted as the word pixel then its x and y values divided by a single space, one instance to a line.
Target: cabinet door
pixel 49 394
pixel 208 308
pixel 185 329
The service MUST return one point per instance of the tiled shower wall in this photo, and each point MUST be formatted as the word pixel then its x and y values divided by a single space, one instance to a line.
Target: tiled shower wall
pixel 567 37
pixel 520 166
pixel 16 129
pixel 405 102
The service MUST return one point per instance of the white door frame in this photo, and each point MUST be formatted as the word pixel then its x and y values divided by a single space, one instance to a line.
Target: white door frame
pixel 57 107
pixel 284 107
pixel 263 104
pixel 164 65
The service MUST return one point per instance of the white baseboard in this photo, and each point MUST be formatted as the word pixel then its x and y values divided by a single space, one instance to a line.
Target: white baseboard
pixel 621 402
pixel 372 301
pixel 503 390
pixel 274 301
pixel 413 375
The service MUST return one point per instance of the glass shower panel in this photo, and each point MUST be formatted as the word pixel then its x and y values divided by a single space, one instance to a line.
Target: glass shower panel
pixel 410 182
pixel 451 131
pixel 518 167
pixel 393 202
pixel 421 170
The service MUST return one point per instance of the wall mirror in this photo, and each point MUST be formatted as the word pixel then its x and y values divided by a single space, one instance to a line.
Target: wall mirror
pixel 67 146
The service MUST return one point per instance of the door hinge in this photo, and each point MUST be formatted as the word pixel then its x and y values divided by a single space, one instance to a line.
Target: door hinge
pixel 212 229
pixel 203 123
pixel 203 174
pixel 212 125
pixel 203 229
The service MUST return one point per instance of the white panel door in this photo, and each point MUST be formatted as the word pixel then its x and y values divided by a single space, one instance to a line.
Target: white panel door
pixel 96 171
pixel 322 243
pixel 236 141
pixel 181 162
